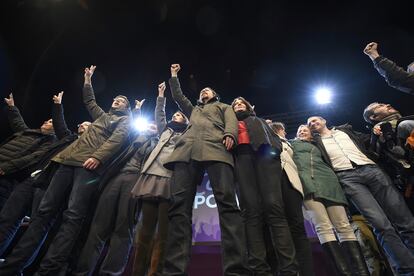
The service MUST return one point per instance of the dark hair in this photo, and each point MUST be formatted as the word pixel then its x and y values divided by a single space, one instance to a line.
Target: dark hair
pixel 249 106
pixel 186 121
pixel 276 126
pixel 368 112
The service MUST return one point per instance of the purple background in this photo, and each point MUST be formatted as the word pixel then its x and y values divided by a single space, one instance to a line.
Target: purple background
pixel 206 226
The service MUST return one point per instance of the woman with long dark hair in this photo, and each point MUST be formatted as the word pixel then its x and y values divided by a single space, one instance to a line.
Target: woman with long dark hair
pixel 259 176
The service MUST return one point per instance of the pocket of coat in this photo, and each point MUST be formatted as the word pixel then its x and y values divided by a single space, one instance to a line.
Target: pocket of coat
pixel 217 125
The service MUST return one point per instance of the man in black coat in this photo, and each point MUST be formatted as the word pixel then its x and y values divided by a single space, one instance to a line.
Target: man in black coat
pixel 394 75
pixel 21 151
pixel 28 193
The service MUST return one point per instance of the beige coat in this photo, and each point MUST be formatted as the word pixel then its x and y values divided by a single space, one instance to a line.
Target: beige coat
pixel 209 124
pixel 289 165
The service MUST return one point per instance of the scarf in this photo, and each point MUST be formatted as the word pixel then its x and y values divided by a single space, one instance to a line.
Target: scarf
pixel 177 127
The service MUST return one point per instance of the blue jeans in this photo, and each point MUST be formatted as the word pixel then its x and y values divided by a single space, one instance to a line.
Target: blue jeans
pixel 80 185
pixel 375 196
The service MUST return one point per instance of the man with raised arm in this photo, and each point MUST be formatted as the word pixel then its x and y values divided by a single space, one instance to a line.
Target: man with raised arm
pixel 76 178
pixel 28 194
pixel 204 146
pixel 394 75
pixel 21 151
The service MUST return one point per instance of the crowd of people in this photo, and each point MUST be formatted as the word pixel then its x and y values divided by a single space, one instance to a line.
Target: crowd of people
pixel 105 177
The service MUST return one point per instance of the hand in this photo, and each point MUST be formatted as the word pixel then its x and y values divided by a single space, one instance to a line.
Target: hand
pixel 58 99
pixel 91 164
pixel 138 104
pixel 377 130
pixel 10 100
pixel 174 69
pixel 161 89
pixel 228 142
pixel 89 71
pixel 372 50
pixel 2 172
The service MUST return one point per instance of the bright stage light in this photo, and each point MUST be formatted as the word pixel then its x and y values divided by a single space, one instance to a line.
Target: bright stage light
pixel 323 95
pixel 141 124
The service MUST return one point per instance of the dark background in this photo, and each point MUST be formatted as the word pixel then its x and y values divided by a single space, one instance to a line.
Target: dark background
pixel 274 53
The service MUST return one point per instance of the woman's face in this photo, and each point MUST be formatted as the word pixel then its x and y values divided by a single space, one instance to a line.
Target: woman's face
pixel 178 117
pixel 304 133
pixel 239 106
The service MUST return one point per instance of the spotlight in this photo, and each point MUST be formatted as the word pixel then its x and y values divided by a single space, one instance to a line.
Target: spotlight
pixel 323 95
pixel 141 124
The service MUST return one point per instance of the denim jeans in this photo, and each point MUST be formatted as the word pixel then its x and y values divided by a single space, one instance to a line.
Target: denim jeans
pixel 77 183
pixel 373 193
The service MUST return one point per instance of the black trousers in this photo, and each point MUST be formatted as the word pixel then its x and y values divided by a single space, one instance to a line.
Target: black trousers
pixel 186 178
pixel 23 200
pixel 80 185
pixel 259 178
pixel 114 221
pixel 293 207
pixel 6 188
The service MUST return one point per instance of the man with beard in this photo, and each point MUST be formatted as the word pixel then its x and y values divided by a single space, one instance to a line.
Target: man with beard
pixel 204 146
pixel 77 177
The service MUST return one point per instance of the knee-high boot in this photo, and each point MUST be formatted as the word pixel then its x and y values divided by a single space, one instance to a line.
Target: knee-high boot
pixel 356 258
pixel 334 252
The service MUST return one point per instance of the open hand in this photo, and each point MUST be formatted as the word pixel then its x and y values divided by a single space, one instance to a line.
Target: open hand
pixel 228 142
pixel 57 99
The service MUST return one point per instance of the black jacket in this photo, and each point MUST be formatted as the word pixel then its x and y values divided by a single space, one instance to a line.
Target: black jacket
pixel 395 76
pixel 23 150
pixel 65 136
pixel 361 140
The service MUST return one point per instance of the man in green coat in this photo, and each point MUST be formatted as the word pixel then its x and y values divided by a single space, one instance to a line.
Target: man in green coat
pixel 204 146
pixel 76 178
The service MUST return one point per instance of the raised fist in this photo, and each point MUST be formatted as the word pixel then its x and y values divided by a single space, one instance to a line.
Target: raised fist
pixel 371 50
pixel 174 69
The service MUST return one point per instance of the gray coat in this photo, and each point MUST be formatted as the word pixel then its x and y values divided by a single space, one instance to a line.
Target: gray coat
pixel 209 124
pixel 166 143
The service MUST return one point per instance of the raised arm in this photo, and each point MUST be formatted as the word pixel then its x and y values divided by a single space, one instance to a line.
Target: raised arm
pixel 177 94
pixel 394 75
pixel 58 119
pixel 160 118
pixel 16 120
pixel 89 96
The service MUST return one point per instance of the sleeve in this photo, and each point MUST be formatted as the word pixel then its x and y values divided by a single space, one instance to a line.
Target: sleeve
pixel 177 94
pixel 90 102
pixel 16 120
pixel 59 123
pixel 26 161
pixel 394 75
pixel 115 142
pixel 231 126
pixel 160 118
